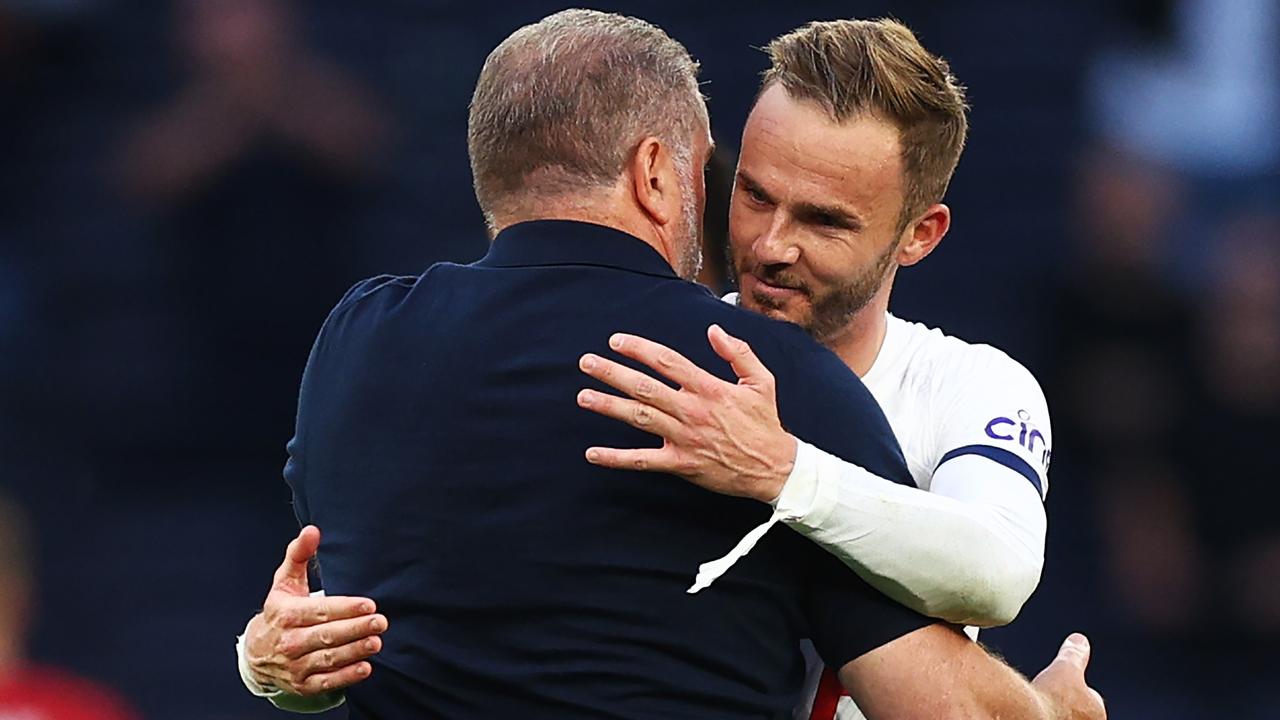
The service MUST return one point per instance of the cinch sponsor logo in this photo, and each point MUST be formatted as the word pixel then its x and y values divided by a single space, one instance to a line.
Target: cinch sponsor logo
pixel 1003 428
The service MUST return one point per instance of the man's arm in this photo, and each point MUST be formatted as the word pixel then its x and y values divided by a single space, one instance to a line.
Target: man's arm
pixel 970 552
pixel 302 649
pixel 936 673
pixel 973 558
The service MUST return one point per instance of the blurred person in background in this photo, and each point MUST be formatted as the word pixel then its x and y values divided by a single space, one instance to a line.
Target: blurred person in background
pixel 253 172
pixel 1167 334
pixel 255 87
pixel 1237 427
pixel 29 691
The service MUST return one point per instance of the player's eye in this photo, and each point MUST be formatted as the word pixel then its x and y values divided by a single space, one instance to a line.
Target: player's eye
pixel 756 196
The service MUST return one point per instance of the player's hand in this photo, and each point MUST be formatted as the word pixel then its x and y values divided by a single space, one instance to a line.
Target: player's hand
pixel 722 436
pixel 1062 683
pixel 310 645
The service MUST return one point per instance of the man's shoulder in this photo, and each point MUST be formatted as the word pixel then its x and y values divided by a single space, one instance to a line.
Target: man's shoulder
pixel 379 284
pixel 946 362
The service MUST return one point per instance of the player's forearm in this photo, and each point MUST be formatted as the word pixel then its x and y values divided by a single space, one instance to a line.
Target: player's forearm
pixel 959 561
pixel 937 673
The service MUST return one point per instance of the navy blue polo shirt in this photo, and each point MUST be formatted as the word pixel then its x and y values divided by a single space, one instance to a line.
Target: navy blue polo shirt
pixel 439 447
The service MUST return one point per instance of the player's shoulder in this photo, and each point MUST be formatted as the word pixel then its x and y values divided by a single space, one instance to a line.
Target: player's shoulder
pixel 947 362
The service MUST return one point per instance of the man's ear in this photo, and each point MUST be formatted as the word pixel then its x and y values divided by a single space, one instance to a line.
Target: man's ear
pixel 924 234
pixel 652 173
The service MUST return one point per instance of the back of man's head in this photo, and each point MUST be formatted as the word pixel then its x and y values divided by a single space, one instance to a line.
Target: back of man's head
pixel 562 104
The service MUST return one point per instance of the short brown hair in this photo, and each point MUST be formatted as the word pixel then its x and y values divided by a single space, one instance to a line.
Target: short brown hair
pixel 851 67
pixel 570 97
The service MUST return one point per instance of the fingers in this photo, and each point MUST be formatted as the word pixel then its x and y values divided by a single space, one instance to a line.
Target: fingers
pixel 632 382
pixel 647 460
pixel 739 355
pixel 636 414
pixel 1075 652
pixel 291 576
pixel 305 546
pixel 301 641
pixel 663 360
pixel 331 659
pixel 336 680
pixel 300 612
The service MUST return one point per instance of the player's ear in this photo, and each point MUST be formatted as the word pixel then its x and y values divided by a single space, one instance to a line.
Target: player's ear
pixel 652 173
pixel 924 234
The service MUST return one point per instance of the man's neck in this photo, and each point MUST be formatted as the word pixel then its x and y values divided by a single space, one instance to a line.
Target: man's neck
pixel 606 210
pixel 858 345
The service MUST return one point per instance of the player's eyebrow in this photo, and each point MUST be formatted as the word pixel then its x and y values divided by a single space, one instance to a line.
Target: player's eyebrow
pixel 834 215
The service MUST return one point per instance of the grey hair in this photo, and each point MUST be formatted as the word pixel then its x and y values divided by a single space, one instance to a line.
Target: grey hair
pixel 561 105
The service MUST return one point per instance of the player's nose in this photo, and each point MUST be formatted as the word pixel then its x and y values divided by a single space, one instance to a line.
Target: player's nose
pixel 774 247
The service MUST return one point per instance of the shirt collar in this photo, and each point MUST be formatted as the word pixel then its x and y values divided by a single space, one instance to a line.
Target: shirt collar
pixel 568 242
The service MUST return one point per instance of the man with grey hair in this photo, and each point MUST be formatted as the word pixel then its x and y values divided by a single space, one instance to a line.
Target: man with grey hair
pixel 559 107
pixel 434 445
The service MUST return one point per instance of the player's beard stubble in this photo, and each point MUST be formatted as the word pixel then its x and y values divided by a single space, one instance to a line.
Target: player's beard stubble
pixel 831 308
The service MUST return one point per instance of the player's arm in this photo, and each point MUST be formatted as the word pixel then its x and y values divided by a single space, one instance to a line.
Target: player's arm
pixel 899 665
pixel 971 552
pixel 936 673
pixel 302 649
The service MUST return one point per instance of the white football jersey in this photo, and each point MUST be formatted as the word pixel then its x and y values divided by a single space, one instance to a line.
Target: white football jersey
pixel 945 398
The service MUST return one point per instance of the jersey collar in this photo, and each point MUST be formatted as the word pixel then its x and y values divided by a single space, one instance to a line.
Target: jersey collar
pixel 568 242
pixel 888 350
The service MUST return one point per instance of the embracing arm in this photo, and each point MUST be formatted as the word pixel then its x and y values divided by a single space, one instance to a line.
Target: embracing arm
pixel 936 673
pixel 969 552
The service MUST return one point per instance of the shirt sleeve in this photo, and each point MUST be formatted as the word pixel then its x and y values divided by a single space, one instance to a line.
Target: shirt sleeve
pixel 998 413
pixel 972 550
pixel 969 552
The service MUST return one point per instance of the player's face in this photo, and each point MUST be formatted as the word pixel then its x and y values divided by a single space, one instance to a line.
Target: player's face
pixel 813 222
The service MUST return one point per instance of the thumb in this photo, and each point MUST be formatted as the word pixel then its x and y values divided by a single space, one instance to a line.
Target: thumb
pixel 291 576
pixel 739 355
pixel 1075 652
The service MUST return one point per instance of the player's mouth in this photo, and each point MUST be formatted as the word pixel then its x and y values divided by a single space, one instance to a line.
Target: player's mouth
pixel 776 293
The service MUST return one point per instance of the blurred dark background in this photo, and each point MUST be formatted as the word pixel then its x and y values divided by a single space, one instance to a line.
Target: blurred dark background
pixel 186 188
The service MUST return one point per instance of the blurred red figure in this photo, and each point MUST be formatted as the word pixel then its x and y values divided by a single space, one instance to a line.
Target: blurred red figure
pixel 27 691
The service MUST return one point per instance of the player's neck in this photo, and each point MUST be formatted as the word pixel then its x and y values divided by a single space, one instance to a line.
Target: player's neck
pixel 860 342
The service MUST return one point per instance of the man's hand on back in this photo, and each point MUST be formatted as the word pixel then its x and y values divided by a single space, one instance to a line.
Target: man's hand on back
pixel 308 645
pixel 722 436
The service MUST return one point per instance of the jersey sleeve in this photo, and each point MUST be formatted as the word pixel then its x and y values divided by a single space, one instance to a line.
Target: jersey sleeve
pixel 997 412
